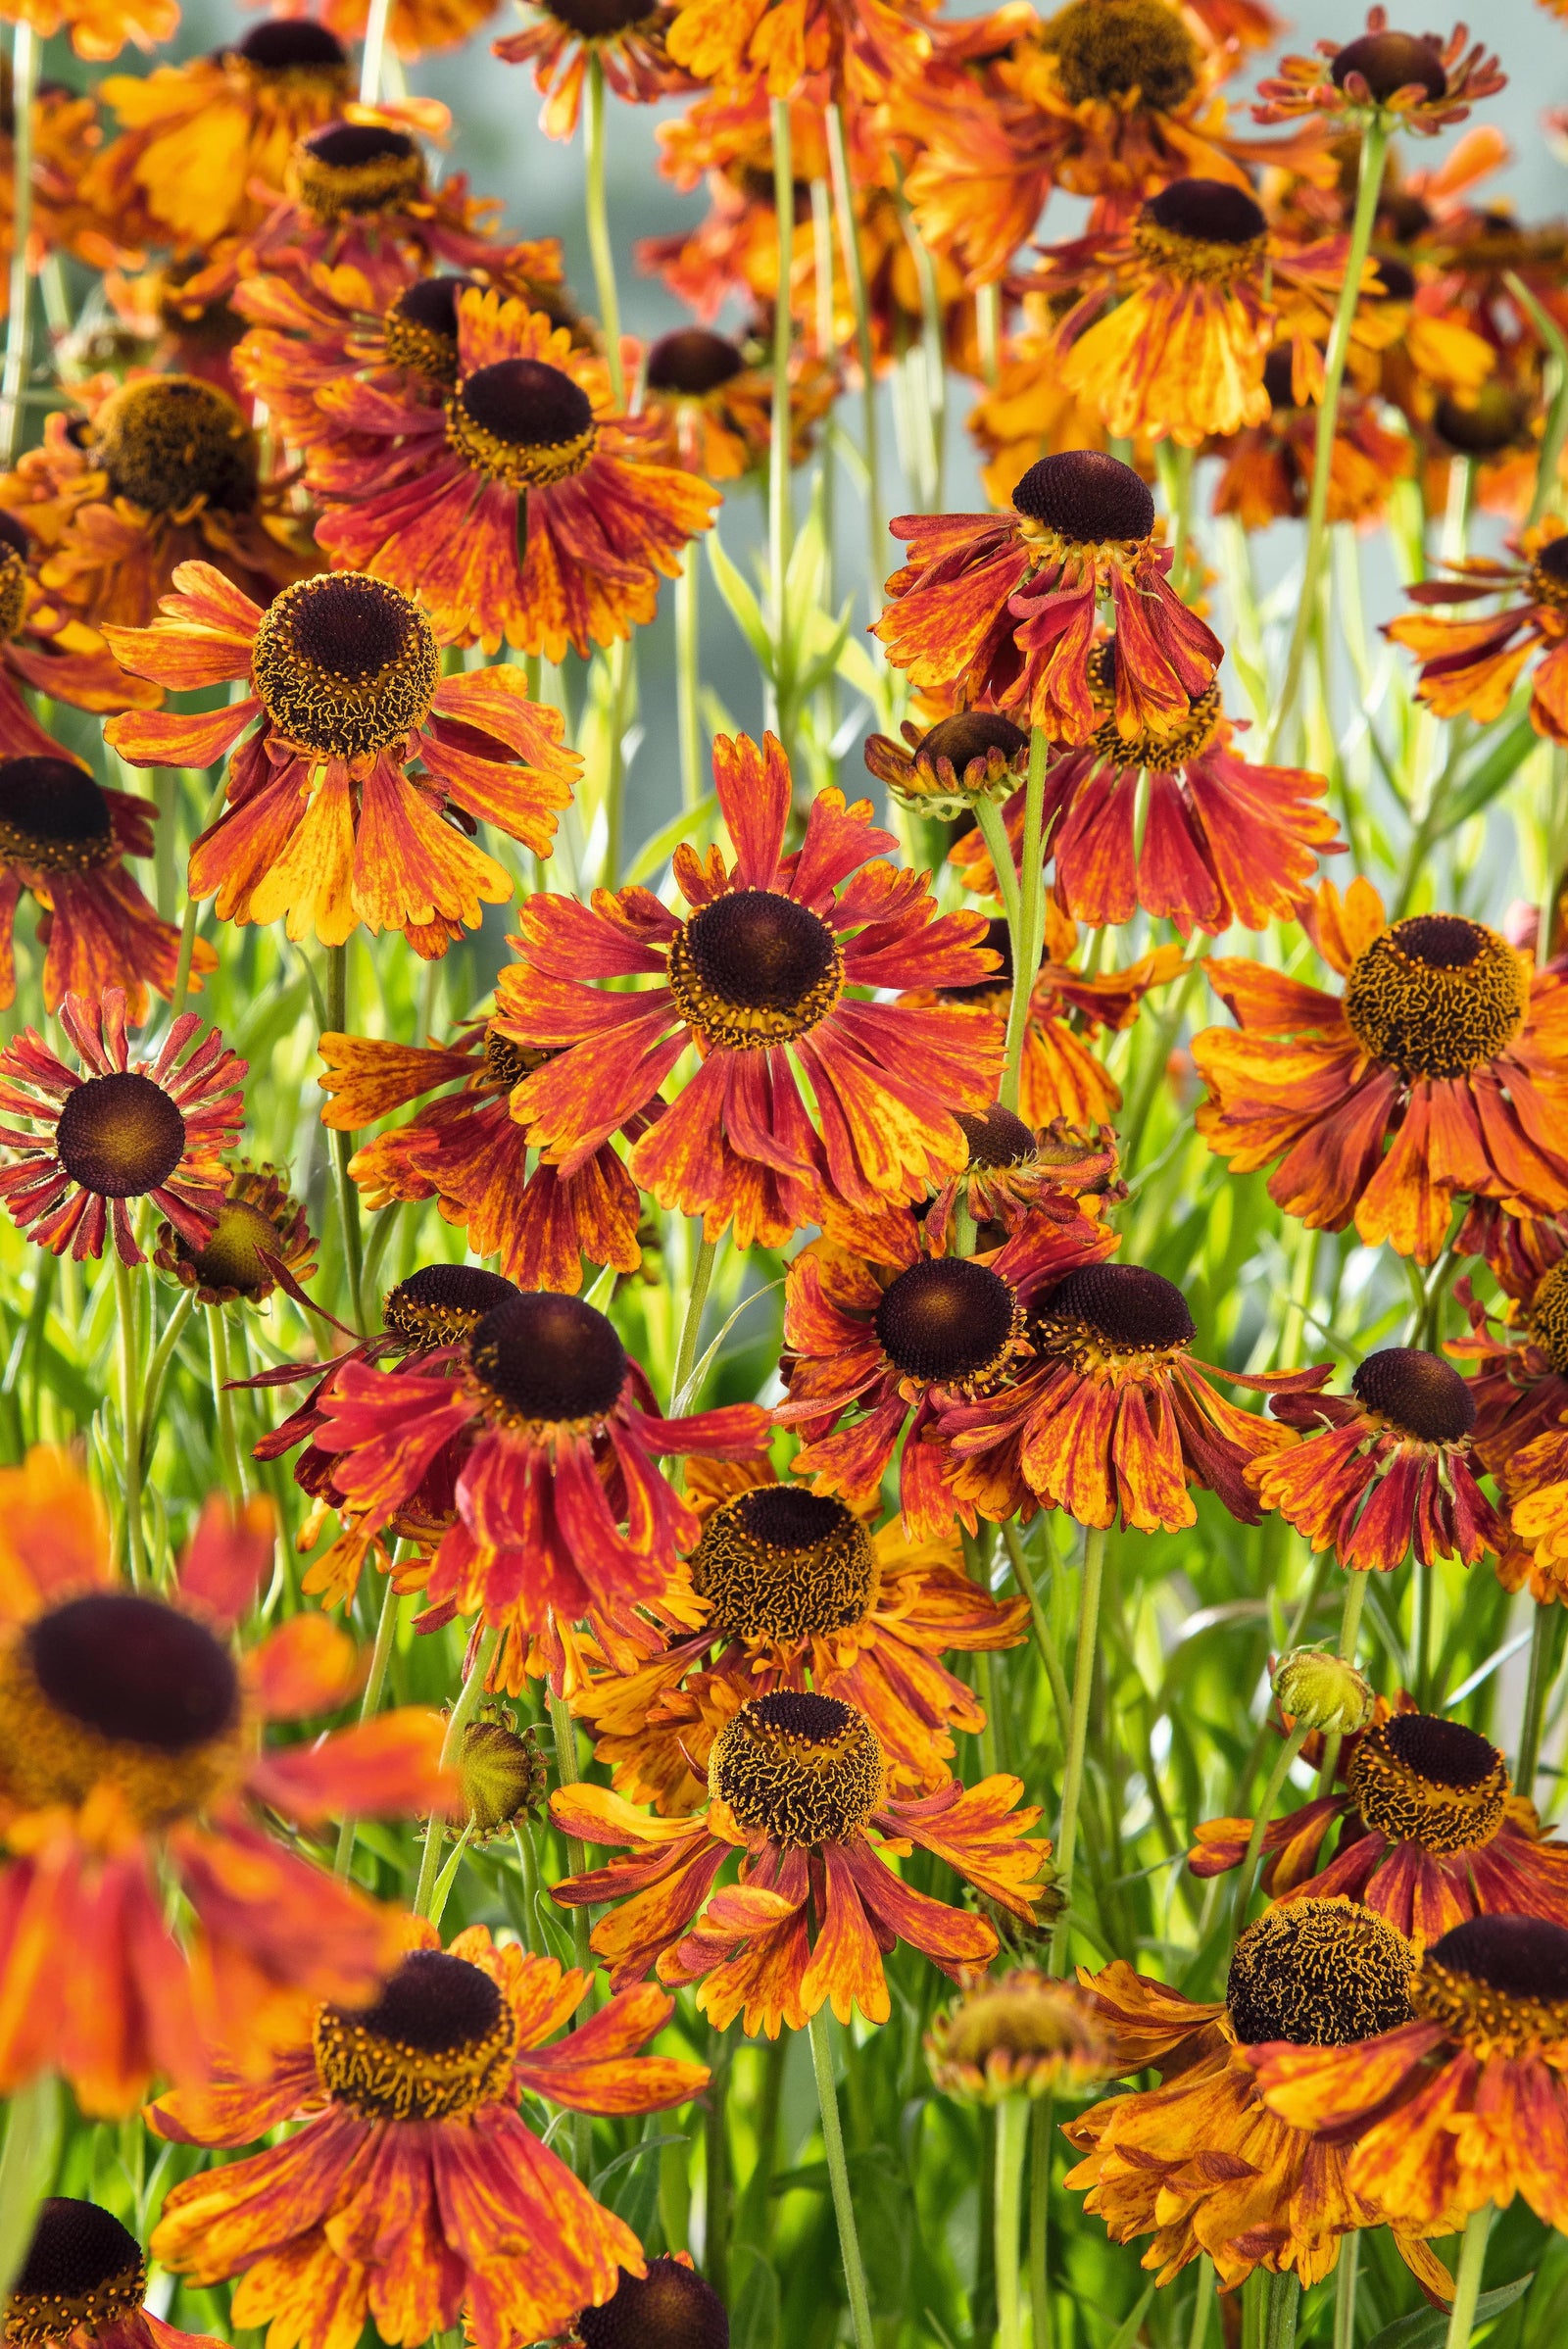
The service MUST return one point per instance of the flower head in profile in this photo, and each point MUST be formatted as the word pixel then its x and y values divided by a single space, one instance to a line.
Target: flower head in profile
pixel 798 1791
pixel 100 28
pixel 413 2195
pixel 1201 2164
pixel 522 505
pixel 325 825
pixel 943 769
pixel 1004 609
pixel 719 402
pixel 769 976
pixel 864 47
pixel 260 1238
pixel 132 1764
pixel 1385 1472
pixel 1431 1833
pixel 82 2282
pixel 562 39
pixel 796 1590
pixel 1017 2035
pixel 1471 665
pixel 1440 1074
pixel 113 1131
pixel 1412 81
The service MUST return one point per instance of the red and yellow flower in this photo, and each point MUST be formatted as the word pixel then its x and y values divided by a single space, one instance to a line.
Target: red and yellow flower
pixel 1471 666
pixel 412 2195
pixel 1266 471
pixel 82 2282
pixel 260 1240
pixel 44 646
pixel 627 40
pixel 325 825
pixel 864 47
pixel 414 27
pixel 1018 2034
pixel 99 28
pixel 1423 84
pixel 719 403
pixel 798 1785
pixel 1440 1074
pixel 132 1764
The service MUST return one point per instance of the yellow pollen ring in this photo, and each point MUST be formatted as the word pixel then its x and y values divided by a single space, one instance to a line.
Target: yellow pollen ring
pixel 1399 1802
pixel 1195 261
pixel 1487 2021
pixel 746 1027
pixel 32 2317
pixel 521 465
pixel 46 1758
pixel 385 2080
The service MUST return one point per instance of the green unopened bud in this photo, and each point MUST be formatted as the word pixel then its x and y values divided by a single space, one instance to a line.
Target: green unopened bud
pixel 1322 1691
pixel 502 1773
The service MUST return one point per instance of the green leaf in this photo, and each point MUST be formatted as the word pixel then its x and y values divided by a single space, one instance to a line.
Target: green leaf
pixel 1427 2327
pixel 1127 2332
pixel 1494 774
pixel 657 850
pixel 741 605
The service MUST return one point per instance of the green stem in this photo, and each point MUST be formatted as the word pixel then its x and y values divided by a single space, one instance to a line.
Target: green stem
pixel 348 1197
pixel 855 272
pixel 756 2208
pixel 1012 2126
pixel 1344 2283
pixel 152 1387
pixel 620 658
pixel 1421 1634
pixel 780 518
pixel 599 244
pixel 1072 1775
pixel 370 1704
pixel 1266 1812
pixel 374 55
pixel 1467 2278
pixel 839 2178
pixel 988 330
pixel 688 679
pixel 1284 2307
pixel 993 828
pixel 26 2167
pixel 1529 1761
pixel 1040 2144
pixel 567 1774
pixel 187 926
pixel 1028 932
pixel 1203 2304
pixel 1374 151
pixel 224 1404
pixel 1017 1558
pixel 458 1719
pixel 720 2183
pixel 131 1425
pixel 692 1325
pixel 13 375
pixel 1556 426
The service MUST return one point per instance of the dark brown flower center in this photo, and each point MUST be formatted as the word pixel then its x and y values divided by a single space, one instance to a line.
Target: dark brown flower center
pixel 691 362
pixel 83 2275
pixel 669 2307
pixel 754 969
pixel 997 1137
pixel 599 20
pixel 1396 279
pixel 235 1258
pixel 1418 1392
pixel 421 326
pixel 1123 1308
pixel 1087 498
pixel 1278 374
pixel 1437 995
pixel 357 168
pixel 134 1670
pixel 1549 1317
pixel 1390 61
pixel 1419 1778
pixel 52 815
pixel 1484 422
pixel 974 734
pixel 1106 49
pixel 1499 1985
pixel 548 1358
pixel 120 1136
pixel 284 43
pixel 438 2043
pixel 1211 212
pixel 949 1321
pixel 523 422
pixel 999 940
pixel 800 1768
pixel 1548 577
pixel 1319 1974
pixel 509 1061
pixel 442 1304
pixel 171 440
pixel 781 1563
pixel 345 664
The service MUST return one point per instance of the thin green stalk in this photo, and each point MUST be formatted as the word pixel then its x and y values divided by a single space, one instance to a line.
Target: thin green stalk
pixel 599 244
pixel 620 658
pixel 27 2167
pixel 567 1774
pixel 372 57
pixel 720 2181
pixel 131 1424
pixel 1344 2283
pixel 1284 2307
pixel 780 517
pixel 855 272
pixel 1421 1596
pixel 458 1719
pixel 1349 1634
pixel 348 1197
pixel 1203 2304
pixel 1467 2278
pixel 1042 2136
pixel 151 1385
pixel 1028 932
pixel 1264 1813
pixel 224 1404
pixel 692 1325
pixel 688 678
pixel 1012 2126
pixel 988 330
pixel 1072 1775
pixel 755 2223
pixel 1374 152
pixel 529 1866
pixel 14 373
pixel 1556 428
pixel 1017 1558
pixel 1535 1690
pixel 993 828
pixel 839 2178
pixel 187 927
pixel 933 347
pixel 370 1704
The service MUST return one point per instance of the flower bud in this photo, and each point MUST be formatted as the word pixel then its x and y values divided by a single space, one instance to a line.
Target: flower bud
pixel 501 1774
pixel 1322 1691
pixel 1023 2035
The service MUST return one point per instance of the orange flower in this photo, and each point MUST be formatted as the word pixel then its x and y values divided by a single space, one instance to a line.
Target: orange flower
pixel 758 977
pixel 130 1749
pixel 1432 1832
pixel 720 407
pixel 1028 413
pixel 412 2195
pixel 116 1133
pixel 1267 468
pixel 1441 1073
pixel 797 1782
pixel 528 452
pixel 864 47
pixel 260 1238
pixel 795 1584
pixel 415 27
pixel 1018 2034
pixel 1472 666
pixel 82 2284
pixel 325 825
pixel 65 139
pixel 1425 85
pixel 43 646
pixel 1389 1475
pixel 1199 2163
pixel 629 38
pixel 466 1150
pixel 1003 608
pixel 1466 2104
pixel 64 840
pixel 99 28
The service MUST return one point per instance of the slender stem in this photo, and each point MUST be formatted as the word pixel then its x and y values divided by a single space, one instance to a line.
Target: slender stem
pixel 620 658
pixel 599 244
pixel 839 2178
pixel 1072 1775
pixel 27 2167
pixel 1467 2278
pixel 131 1425
pixel 1374 151
pixel 933 348
pixel 1266 1812
pixel 372 57
pixel 1040 2144
pixel 1028 932
pixel 152 1390
pixel 458 1719
pixel 1284 2307
pixel 1017 1558
pixel 567 1774
pixel 1421 1595
pixel 370 1704
pixel 528 1864
pixel 1529 1761
pixel 1012 2126
pixel 224 1404
pixel 780 518
pixel 187 927
pixel 1203 2304
pixel 721 2182
pixel 992 829
pixel 1556 430
pixel 756 2221
pixel 348 1197
pixel 855 272
pixel 692 1324
pixel 13 375
pixel 1350 1632
pixel 1344 2283
pixel 688 678
pixel 988 329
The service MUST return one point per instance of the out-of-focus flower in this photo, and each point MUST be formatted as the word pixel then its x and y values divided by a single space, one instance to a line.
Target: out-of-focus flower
pixel 758 977
pixel 1113 1414
pixel 414 27
pixel 1388 1476
pixel 864 47
pixel 412 2195
pixel 325 825
pixel 82 2283
pixel 42 644
pixel 114 1130
pixel 1413 81
pixel 1266 470
pixel 65 839
pixel 261 1236
pixel 66 138
pixel 1003 608
pixel 1199 2163
pixel 795 1584
pixel 797 1784
pixel 1472 666
pixel 626 38
pixel 99 28
pixel 1444 1047
pixel 131 1748
pixel 975 755
pixel 466 1149
pixel 669 2307
pixel 523 506
pixel 1431 1832
pixel 721 403
pixel 1020 2035
pixel 1317 1691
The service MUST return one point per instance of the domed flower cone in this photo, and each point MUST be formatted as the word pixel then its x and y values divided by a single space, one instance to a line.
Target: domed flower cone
pixel 412 2195
pixel 1018 2034
pixel 628 39
pixel 669 2307
pixel 798 1785
pixel 82 2283
pixel 1425 84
